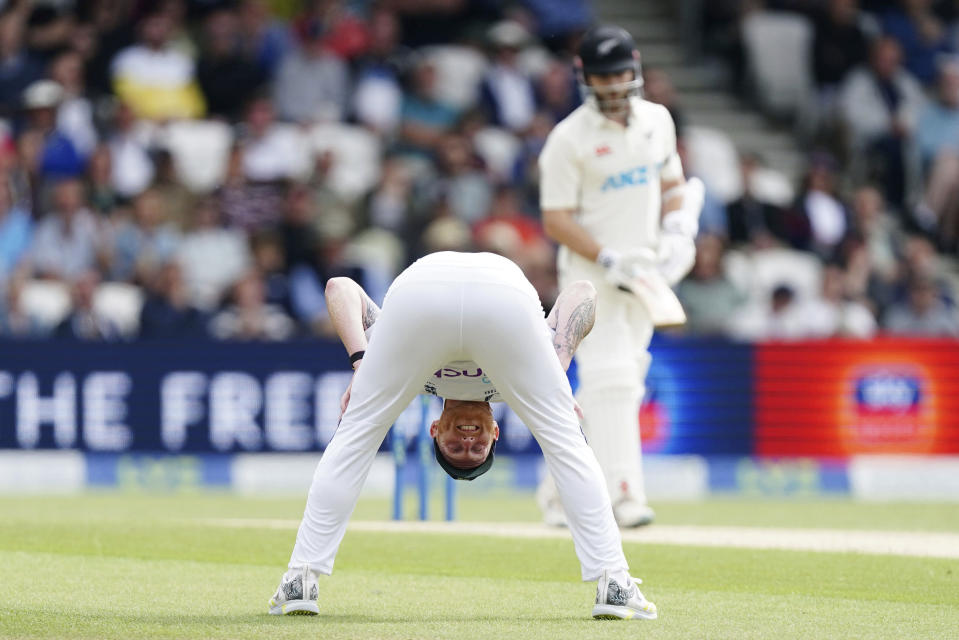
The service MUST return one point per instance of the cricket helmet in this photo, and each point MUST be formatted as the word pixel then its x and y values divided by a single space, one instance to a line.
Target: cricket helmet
pixel 608 49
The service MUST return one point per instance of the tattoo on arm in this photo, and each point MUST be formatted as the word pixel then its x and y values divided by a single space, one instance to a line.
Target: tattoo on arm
pixel 579 323
pixel 370 312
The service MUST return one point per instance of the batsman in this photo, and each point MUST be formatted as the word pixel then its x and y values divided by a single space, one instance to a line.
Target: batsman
pixel 614 196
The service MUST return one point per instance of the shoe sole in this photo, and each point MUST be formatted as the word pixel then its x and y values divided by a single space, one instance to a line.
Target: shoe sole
pixel 645 522
pixel 295 608
pixel 613 612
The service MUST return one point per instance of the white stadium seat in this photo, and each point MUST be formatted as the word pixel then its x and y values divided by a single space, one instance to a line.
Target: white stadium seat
pixel 459 71
pixel 200 150
pixel 769 185
pixel 778 51
pixel 297 143
pixel 46 300
pixel 356 156
pixel 120 303
pixel 499 149
pixel 759 272
pixel 712 156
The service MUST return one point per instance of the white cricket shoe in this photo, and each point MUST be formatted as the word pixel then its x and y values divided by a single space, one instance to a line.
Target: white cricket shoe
pixel 297 594
pixel 631 513
pixel 625 602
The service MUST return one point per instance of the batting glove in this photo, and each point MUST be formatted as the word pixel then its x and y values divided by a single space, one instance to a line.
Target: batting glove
pixel 675 257
pixel 621 268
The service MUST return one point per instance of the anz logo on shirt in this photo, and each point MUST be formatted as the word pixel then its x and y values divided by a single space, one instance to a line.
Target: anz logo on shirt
pixel 635 177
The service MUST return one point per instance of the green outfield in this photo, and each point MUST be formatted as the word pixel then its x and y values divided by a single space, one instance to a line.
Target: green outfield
pixel 144 566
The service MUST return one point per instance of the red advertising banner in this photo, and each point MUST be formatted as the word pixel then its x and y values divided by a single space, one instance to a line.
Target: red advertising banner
pixel 838 398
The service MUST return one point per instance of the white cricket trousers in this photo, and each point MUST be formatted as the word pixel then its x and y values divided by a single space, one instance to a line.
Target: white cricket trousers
pixel 447 307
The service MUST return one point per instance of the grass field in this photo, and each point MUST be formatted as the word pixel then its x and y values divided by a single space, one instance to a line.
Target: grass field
pixel 144 566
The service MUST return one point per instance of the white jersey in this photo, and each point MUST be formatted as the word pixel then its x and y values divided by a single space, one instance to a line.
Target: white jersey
pixel 459 380
pixel 610 175
pixel 465 379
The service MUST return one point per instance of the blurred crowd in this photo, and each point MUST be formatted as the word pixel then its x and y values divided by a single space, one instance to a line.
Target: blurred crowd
pixel 177 168
pixel 200 168
pixel 875 218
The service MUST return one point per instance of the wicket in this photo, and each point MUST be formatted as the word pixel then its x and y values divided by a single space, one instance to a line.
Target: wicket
pixel 423 462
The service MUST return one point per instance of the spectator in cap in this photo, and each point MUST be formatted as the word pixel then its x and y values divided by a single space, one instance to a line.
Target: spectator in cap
pixel 58 157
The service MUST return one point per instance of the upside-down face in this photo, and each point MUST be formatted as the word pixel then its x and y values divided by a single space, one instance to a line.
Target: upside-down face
pixel 464 432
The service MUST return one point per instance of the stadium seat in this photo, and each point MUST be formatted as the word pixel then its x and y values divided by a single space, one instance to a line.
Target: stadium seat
pixel 459 71
pixel 297 142
pixel 766 269
pixel 200 149
pixel 769 185
pixel 120 303
pixel 713 157
pixel 499 149
pixel 46 300
pixel 778 53
pixel 534 61
pixel 356 156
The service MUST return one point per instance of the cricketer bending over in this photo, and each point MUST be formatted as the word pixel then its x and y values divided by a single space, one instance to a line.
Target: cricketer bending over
pixel 614 196
pixel 461 310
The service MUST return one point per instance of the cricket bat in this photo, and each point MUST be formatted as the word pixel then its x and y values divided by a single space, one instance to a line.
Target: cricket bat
pixel 657 296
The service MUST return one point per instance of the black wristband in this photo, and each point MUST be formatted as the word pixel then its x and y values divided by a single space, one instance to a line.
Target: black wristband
pixel 357 356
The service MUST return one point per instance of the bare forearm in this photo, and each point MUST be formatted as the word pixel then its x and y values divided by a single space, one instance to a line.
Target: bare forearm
pixel 572 318
pixel 561 226
pixel 351 312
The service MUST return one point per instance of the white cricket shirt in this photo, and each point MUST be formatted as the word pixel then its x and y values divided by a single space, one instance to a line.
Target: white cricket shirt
pixel 610 174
